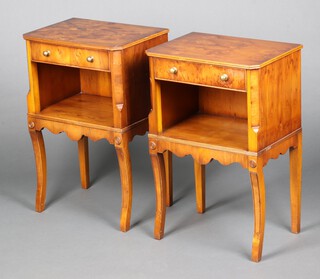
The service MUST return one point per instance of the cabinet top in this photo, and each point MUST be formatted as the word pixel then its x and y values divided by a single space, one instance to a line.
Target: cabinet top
pixel 94 34
pixel 223 50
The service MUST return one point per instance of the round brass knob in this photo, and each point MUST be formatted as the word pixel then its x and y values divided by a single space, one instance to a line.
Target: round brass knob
pixel 173 70
pixel 90 59
pixel 46 53
pixel 224 77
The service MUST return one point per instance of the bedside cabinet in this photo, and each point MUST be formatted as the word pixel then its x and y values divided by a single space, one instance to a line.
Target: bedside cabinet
pixel 233 100
pixel 90 79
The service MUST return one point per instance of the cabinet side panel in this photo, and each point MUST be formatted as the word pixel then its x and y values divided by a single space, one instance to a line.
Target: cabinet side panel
pixel 280 96
pixel 155 116
pixel 137 83
pixel 256 124
pixel 33 94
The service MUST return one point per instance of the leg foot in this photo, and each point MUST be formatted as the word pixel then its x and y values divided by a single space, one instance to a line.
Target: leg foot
pixel 83 154
pixel 295 184
pixel 126 184
pixel 200 186
pixel 167 155
pixel 158 167
pixel 258 196
pixel 41 169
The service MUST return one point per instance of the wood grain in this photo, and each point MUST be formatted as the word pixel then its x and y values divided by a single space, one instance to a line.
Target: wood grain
pixel 223 50
pixel 89 79
pixel 259 204
pixel 95 83
pixel 211 130
pixel 160 182
pixel 68 56
pixel 56 83
pixel 200 74
pixel 200 186
pixel 223 102
pixel 295 184
pixel 250 117
pixel 94 34
pixel 123 154
pixel 41 168
pixel 83 153
pixel 81 109
pixel 279 83
pixel 178 101
pixel 167 157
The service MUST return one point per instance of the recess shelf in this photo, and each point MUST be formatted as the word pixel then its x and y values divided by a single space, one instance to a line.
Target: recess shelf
pixel 212 130
pixel 82 109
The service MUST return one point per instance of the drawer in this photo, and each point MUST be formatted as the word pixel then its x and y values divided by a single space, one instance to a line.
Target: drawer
pixel 200 74
pixel 69 56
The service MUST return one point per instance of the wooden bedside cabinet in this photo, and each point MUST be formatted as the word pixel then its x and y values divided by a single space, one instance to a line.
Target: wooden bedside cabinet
pixel 227 99
pixel 90 79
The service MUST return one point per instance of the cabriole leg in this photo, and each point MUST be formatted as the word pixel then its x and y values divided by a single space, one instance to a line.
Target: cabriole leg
pixel 258 196
pixel 158 167
pixel 122 148
pixel 41 168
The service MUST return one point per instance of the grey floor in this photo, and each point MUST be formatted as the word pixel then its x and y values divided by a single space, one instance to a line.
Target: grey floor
pixel 77 236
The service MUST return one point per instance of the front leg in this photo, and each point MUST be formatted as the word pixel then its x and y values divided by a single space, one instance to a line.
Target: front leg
pixel 41 168
pixel 259 204
pixel 158 167
pixel 122 148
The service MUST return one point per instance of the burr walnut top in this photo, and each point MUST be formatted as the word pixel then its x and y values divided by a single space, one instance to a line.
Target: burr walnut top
pixel 223 50
pixel 94 34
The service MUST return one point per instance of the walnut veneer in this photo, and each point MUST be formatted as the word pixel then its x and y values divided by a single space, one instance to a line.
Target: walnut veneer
pixel 227 99
pixel 90 79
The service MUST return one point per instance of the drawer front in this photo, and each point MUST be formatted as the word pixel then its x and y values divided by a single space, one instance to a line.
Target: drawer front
pixel 201 74
pixel 69 56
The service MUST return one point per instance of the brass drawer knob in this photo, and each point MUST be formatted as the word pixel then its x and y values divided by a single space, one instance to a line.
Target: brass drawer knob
pixel 173 70
pixel 46 53
pixel 90 59
pixel 224 77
